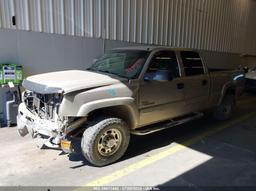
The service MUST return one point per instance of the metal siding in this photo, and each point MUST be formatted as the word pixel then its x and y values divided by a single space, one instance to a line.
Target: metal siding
pixel 6 13
pixel 58 19
pixel 221 25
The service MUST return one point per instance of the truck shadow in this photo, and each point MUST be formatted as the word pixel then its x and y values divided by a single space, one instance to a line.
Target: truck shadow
pixel 142 144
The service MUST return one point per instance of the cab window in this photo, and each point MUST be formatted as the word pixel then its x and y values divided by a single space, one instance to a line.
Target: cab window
pixel 192 63
pixel 163 67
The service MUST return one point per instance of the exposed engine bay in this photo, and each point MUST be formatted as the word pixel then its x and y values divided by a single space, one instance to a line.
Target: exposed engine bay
pixel 46 106
pixel 39 116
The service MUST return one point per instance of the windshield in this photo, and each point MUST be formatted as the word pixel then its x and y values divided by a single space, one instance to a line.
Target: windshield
pixel 125 63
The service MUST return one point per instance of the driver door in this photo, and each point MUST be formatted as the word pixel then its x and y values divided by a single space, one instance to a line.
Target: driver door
pixel 162 91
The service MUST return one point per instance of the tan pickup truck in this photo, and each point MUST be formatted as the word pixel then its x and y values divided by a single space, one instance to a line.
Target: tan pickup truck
pixel 134 90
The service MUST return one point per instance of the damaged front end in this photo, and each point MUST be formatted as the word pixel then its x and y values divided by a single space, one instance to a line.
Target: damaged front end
pixel 38 115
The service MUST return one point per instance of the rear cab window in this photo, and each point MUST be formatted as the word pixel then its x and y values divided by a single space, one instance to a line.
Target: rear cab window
pixel 192 63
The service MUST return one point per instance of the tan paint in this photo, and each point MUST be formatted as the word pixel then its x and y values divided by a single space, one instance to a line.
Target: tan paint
pixel 145 102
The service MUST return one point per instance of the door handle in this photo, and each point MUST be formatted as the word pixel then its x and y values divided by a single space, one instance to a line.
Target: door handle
pixel 180 86
pixel 204 82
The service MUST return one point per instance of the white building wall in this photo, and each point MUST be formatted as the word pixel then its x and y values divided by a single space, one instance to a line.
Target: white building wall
pixel 223 25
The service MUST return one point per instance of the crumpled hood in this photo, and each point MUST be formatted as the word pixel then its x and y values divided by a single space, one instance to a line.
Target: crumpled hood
pixel 251 75
pixel 67 81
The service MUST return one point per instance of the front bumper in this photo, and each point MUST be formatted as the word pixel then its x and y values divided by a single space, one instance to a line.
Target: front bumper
pixel 28 122
pixel 46 130
pixel 23 127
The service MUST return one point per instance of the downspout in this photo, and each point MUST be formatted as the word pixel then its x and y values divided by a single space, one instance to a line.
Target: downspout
pixel 8 114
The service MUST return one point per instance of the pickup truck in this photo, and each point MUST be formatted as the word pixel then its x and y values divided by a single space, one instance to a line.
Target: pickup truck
pixel 133 90
pixel 250 79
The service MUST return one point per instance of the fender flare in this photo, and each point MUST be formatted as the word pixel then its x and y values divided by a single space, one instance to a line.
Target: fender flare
pixel 224 90
pixel 128 102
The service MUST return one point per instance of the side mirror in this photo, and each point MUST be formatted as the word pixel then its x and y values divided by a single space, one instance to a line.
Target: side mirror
pixel 246 69
pixel 148 76
pixel 161 76
pixel 95 60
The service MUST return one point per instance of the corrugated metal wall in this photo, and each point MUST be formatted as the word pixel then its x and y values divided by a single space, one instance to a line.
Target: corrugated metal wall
pixel 223 25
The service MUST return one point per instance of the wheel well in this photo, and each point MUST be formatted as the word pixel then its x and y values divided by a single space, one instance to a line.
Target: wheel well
pixel 230 91
pixel 122 112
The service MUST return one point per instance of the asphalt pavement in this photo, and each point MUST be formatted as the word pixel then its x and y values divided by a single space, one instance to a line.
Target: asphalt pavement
pixel 202 153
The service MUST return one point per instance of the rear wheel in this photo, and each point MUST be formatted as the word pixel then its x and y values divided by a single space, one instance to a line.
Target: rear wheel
pixel 225 109
pixel 105 141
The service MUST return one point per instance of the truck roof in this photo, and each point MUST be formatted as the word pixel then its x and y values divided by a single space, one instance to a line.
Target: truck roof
pixel 150 48
pixel 215 59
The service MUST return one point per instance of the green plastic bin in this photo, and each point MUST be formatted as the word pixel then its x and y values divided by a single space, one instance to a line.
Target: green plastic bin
pixel 11 73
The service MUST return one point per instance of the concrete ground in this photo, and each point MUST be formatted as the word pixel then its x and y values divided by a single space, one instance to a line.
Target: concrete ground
pixel 202 153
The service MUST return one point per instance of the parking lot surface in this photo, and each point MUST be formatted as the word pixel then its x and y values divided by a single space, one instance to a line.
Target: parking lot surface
pixel 201 153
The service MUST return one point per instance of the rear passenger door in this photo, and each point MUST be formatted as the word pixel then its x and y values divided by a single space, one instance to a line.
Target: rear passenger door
pixel 196 81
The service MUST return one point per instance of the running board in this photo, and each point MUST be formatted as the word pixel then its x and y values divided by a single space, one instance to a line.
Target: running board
pixel 174 122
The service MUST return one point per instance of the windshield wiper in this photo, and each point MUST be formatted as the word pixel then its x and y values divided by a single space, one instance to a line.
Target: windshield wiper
pixel 90 69
pixel 107 71
pixel 104 71
pixel 120 75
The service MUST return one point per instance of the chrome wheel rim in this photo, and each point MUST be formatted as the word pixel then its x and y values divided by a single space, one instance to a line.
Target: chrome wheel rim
pixel 109 142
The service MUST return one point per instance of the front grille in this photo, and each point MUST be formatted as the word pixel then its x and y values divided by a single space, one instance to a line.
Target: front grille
pixel 44 105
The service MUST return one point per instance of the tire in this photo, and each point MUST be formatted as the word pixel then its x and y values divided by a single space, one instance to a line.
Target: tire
pixel 225 109
pixel 105 141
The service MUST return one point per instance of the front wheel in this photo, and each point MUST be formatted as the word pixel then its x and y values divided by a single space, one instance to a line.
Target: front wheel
pixel 105 141
pixel 225 109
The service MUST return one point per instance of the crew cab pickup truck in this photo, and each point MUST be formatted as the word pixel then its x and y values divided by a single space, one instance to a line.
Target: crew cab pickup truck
pixel 133 90
pixel 250 79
